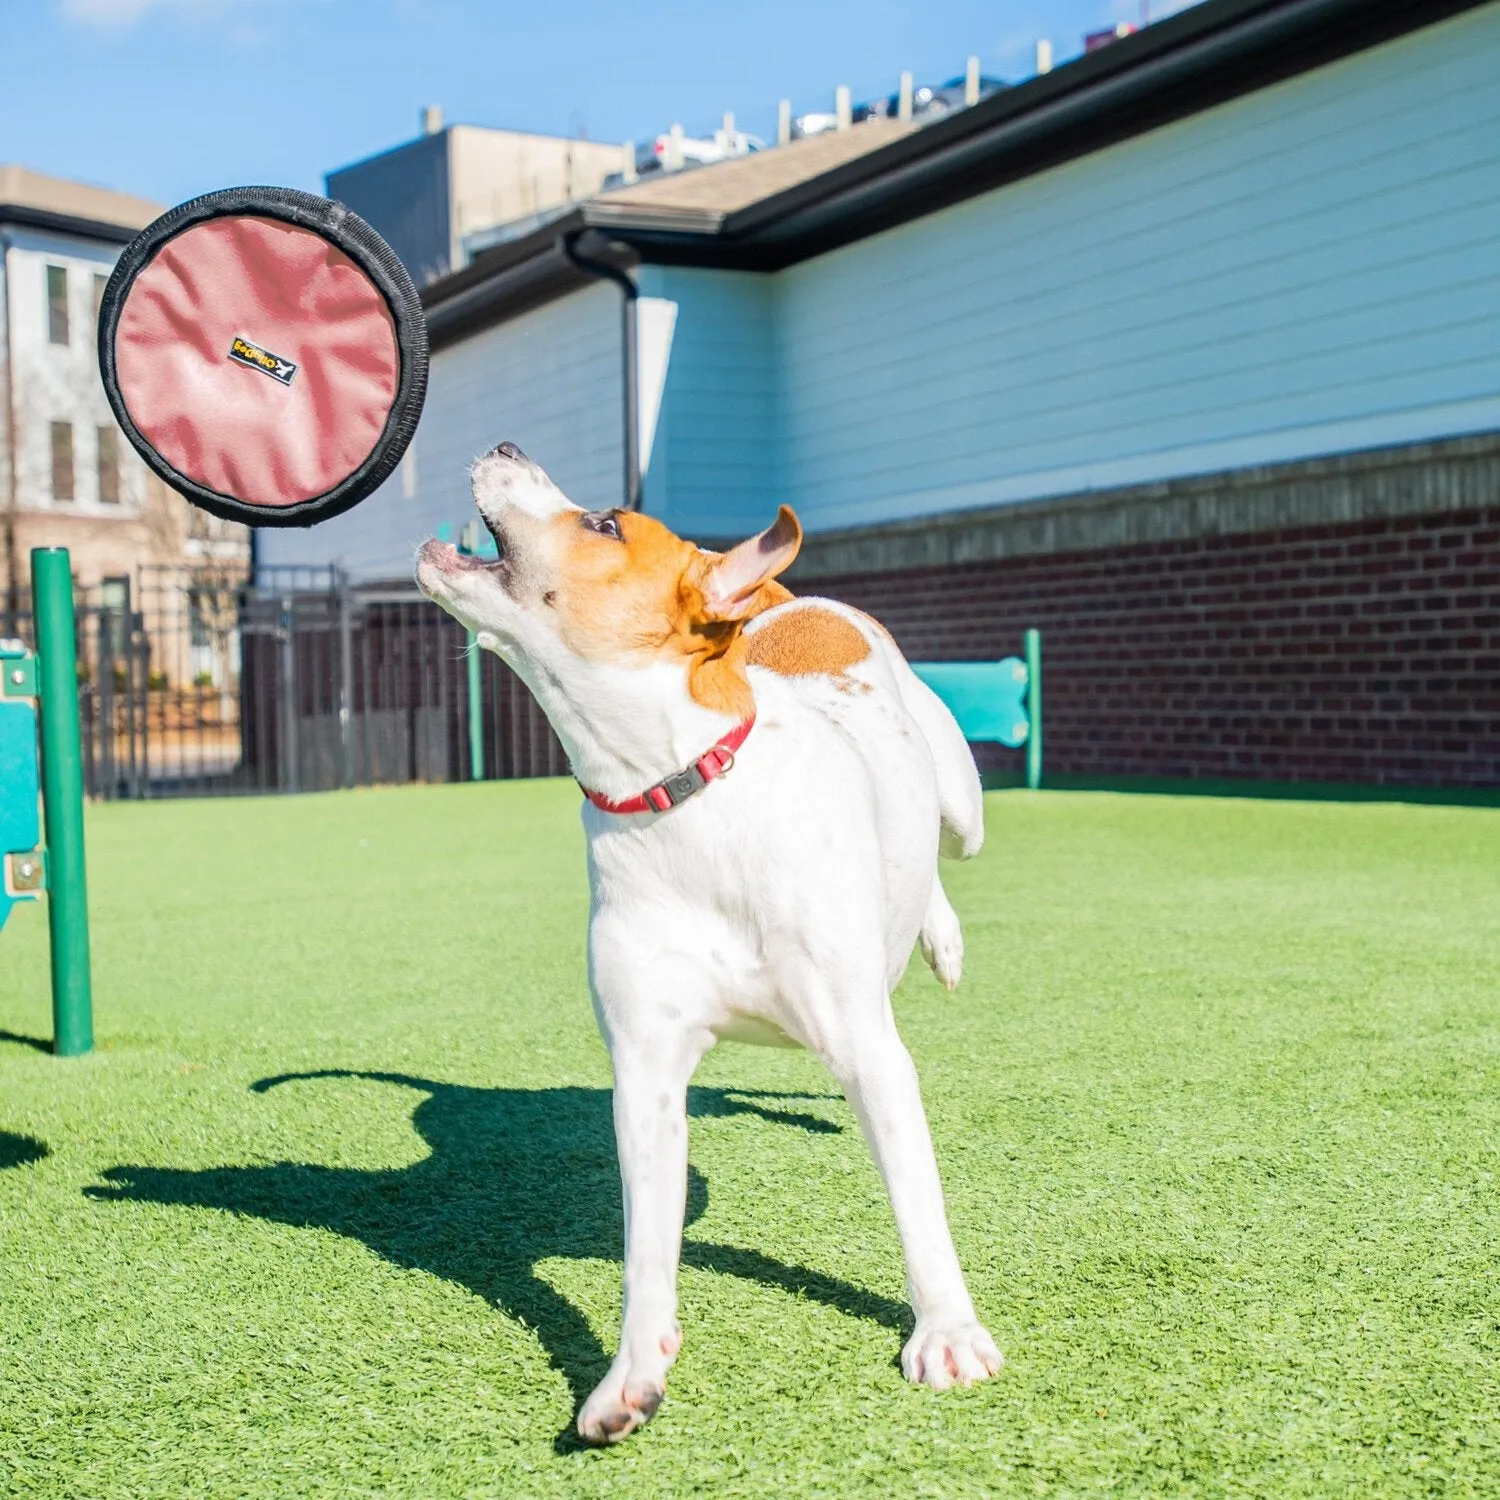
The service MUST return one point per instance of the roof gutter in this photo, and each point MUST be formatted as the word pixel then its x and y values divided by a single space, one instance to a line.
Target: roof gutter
pixel 491 290
pixel 24 216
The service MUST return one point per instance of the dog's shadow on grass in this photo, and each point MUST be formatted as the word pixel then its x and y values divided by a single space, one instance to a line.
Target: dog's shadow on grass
pixel 514 1176
pixel 20 1150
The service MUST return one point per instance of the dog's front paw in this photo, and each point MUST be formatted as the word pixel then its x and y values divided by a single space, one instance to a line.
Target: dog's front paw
pixel 944 1354
pixel 628 1396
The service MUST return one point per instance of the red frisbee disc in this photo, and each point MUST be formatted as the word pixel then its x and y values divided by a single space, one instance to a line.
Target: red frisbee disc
pixel 265 352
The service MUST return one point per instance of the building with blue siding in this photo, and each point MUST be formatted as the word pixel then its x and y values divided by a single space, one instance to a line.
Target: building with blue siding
pixel 1188 352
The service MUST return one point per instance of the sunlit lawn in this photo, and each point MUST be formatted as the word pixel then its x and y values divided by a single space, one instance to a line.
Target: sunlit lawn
pixel 334 1209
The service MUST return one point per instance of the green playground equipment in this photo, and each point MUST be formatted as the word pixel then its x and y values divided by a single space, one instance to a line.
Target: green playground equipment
pixel 47 679
pixel 995 700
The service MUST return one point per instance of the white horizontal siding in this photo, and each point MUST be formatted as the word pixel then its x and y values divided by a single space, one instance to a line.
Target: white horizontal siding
pixel 1311 268
pixel 548 381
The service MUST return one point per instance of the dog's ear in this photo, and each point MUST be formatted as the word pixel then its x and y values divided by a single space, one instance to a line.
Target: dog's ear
pixel 733 580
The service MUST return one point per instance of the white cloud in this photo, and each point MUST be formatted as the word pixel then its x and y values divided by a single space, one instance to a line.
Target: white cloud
pixel 112 14
pixel 120 15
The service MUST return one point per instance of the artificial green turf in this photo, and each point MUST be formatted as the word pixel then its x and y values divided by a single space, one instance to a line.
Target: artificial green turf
pixel 1218 1110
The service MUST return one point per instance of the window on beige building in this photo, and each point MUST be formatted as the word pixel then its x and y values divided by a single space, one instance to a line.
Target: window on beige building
pixel 62 460
pixel 57 304
pixel 109 464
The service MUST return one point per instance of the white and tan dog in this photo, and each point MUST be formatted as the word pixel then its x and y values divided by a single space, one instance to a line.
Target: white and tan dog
pixel 777 904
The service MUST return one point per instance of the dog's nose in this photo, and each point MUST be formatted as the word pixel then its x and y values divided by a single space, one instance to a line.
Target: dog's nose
pixel 507 450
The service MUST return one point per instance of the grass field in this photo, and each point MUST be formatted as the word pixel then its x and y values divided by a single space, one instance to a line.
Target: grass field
pixel 1218 1110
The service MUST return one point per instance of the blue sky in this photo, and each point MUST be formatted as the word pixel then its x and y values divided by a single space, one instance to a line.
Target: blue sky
pixel 171 98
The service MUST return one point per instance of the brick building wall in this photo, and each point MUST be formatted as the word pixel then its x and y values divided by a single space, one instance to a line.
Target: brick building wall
pixel 1360 650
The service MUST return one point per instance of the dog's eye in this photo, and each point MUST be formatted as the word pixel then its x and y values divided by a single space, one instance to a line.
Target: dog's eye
pixel 604 522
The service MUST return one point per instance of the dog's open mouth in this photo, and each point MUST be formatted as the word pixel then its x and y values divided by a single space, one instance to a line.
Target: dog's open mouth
pixel 498 537
pixel 446 558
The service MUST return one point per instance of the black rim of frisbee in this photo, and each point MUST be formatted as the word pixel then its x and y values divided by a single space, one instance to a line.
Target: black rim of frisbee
pixel 346 231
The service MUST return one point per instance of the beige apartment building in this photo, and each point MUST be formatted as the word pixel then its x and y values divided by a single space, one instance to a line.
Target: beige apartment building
pixel 433 199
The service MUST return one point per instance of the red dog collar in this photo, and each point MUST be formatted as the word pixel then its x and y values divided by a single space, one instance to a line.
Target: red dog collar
pixel 681 785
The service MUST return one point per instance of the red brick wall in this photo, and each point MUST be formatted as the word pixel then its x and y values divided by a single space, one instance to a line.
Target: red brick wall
pixel 1366 652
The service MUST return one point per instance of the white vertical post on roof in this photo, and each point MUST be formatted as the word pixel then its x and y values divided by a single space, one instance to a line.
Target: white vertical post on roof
pixel 971 82
pixel 903 99
pixel 674 149
pixel 1043 55
pixel 627 162
pixel 783 122
pixel 729 132
pixel 843 109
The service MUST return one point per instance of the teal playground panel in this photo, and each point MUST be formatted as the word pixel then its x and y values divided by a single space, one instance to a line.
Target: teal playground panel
pixel 999 701
pixel 20 780
pixel 49 765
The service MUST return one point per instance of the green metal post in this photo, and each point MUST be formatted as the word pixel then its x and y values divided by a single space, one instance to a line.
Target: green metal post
pixel 62 801
pixel 476 713
pixel 1033 709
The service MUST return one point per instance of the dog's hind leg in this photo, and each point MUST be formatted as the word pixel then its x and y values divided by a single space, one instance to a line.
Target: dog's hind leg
pixel 942 939
pixel 949 1346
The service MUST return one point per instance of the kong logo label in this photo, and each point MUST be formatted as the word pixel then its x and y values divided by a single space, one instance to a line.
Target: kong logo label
pixel 243 352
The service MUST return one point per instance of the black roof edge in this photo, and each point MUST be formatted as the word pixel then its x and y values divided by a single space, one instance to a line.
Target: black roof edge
pixel 1078 76
pixel 1214 52
pixel 26 217
pixel 1237 47
pixel 533 271
pixel 498 259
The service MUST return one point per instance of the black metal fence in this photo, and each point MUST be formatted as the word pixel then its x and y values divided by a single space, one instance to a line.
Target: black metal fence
pixel 193 684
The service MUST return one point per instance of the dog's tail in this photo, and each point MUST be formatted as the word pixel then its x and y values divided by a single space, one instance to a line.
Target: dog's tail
pixel 960 797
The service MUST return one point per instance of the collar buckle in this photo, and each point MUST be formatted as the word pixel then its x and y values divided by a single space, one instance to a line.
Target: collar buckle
pixel 679 786
pixel 672 791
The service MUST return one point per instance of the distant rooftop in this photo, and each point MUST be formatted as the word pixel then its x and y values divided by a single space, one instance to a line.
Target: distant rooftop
pixel 54 202
pixel 705 193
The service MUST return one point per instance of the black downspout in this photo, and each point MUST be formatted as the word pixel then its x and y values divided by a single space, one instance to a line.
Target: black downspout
pixel 604 271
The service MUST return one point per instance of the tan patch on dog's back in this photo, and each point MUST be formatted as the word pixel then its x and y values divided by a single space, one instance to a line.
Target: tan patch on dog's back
pixel 807 642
